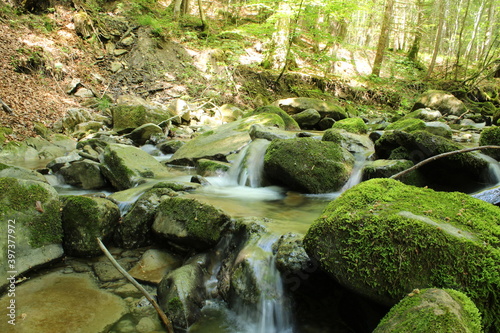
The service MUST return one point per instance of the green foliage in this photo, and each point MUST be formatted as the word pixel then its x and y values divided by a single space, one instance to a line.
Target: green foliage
pixel 491 136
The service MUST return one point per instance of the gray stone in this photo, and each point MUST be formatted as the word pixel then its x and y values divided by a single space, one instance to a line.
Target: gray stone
pixel 20 173
pixel 438 128
pixel 269 133
pixel 440 100
pixel 291 257
pixel 116 66
pixel 154 265
pixel 84 93
pixel 141 134
pixel 85 174
pixel 307 118
pixel 325 108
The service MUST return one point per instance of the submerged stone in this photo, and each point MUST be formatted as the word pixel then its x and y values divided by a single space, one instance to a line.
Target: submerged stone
pixel 154 265
pixel 383 239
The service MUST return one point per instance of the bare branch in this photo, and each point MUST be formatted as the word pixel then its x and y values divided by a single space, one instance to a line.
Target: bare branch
pixel 435 157
pixel 6 108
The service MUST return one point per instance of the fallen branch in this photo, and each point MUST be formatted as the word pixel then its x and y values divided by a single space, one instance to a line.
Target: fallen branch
pixel 6 108
pixel 435 157
pixel 150 298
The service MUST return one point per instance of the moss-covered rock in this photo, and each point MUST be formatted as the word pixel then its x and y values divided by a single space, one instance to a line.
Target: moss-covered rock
pixel 141 134
pixel 189 223
pixel 84 219
pixel 387 168
pixel 307 165
pixel 407 125
pixel 325 108
pixel 491 136
pixel 135 228
pixel 37 148
pixel 383 239
pixel 307 118
pixel 20 173
pixel 224 140
pixel 31 225
pixel 432 310
pixel 3 132
pixel 85 174
pixel 290 123
pixel 440 100
pixel 353 125
pixel 133 116
pixel 126 166
pixel 354 143
pixel 207 168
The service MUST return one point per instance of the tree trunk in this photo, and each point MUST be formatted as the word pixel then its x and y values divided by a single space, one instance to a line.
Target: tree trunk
pixel 415 47
pixel 460 40
pixel 202 16
pixel 477 19
pixel 276 57
pixel 439 36
pixel 384 37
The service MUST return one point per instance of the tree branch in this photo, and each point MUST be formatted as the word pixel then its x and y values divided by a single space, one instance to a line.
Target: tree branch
pixel 6 108
pixel 150 298
pixel 435 157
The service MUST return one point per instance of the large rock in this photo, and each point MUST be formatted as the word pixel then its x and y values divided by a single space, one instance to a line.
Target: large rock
pixel 352 125
pixel 432 310
pixel 85 174
pixel 307 118
pixel 181 293
pixel 132 112
pixel 440 100
pixel 126 166
pixel 76 303
pixel 290 123
pixel 135 229
pixel 383 239
pixel 224 140
pixel 12 171
pixel 387 168
pixel 154 265
pixel 291 257
pixel 141 134
pixel 354 143
pixel 491 136
pixel 37 149
pixel 325 108
pixel 189 223
pixel 31 225
pixel 308 165
pixel 84 219
pixel 491 195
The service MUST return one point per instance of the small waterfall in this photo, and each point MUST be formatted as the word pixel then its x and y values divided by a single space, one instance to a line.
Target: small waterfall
pixel 493 169
pixel 248 167
pixel 357 172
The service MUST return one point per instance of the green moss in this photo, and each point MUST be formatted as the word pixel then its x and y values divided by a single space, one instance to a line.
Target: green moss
pixel 407 125
pixel 3 132
pixel 290 123
pixel 353 125
pixel 383 238
pixel 207 167
pixel 332 135
pixel 491 136
pixel 175 305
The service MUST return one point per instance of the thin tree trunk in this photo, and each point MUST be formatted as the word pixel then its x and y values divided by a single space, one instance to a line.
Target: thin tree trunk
pixel 384 37
pixel 202 15
pixel 474 34
pixel 415 47
pixel 439 35
pixel 460 37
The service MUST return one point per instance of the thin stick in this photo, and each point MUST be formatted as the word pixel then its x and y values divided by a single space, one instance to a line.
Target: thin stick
pixel 150 298
pixel 6 108
pixel 435 157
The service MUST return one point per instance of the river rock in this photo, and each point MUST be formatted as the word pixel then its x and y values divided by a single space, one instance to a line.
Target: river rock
pixel 383 239
pixel 352 142
pixel 269 133
pixel 326 123
pixel 132 112
pixel 325 108
pixel 84 219
pixel 491 136
pixel 407 125
pixel 85 118
pixel 85 174
pixel 30 214
pixel 491 195
pixel 20 173
pixel 37 149
pixel 290 123
pixel 126 166
pixel 181 293
pixel 432 310
pixel 208 168
pixel 387 168
pixel 48 304
pixel 135 229
pixel 170 146
pixel 438 128
pixel 352 125
pixel 440 100
pixel 307 165
pixel 57 163
pixel 426 114
pixel 222 141
pixel 189 223
pixel 307 118
pixel 154 265
pixel 141 134
pixel 291 257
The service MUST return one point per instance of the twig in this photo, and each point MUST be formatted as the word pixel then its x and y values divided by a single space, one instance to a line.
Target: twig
pixel 435 157
pixel 6 108
pixel 150 298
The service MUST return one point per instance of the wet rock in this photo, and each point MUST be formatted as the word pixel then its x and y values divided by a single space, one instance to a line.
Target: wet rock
pixel 85 174
pixel 407 237
pixel 438 128
pixel 326 123
pixel 181 293
pixel 308 165
pixel 97 310
pixel 189 223
pixel 307 118
pixel 299 104
pixel 154 265
pixel 222 141
pixel 178 186
pixel 84 219
pixel 291 257
pixel 132 112
pixel 30 214
pixel 352 125
pixel 142 133
pixel 491 195
pixel 290 123
pixel 125 166
pixel 197 179
pixel 426 114
pixel 12 171
pixel 440 100
pixel 406 125
pixel 207 168
pixel 491 136
pixel 170 147
pixel 352 142
pixel 135 229
pixel 268 133
pixel 385 168
pixel 432 310
pixel 106 272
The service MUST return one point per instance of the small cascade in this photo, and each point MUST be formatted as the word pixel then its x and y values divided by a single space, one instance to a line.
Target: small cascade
pixel 493 169
pixel 248 168
pixel 357 172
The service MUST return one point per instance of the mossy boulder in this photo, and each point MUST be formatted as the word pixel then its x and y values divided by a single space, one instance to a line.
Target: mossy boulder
pixel 388 168
pixel 307 118
pixel 141 134
pixel 31 221
pixel 132 116
pixel 325 108
pixel 207 168
pixel 4 131
pixel 290 123
pixel 438 128
pixel 353 125
pixel 353 142
pixel 37 148
pixel 135 229
pixel 189 223
pixel 432 310
pixel 224 140
pixel 12 171
pixel 126 166
pixel 383 239
pixel 85 174
pixel 307 165
pixel 407 125
pixel 84 219
pixel 491 136
pixel 440 100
